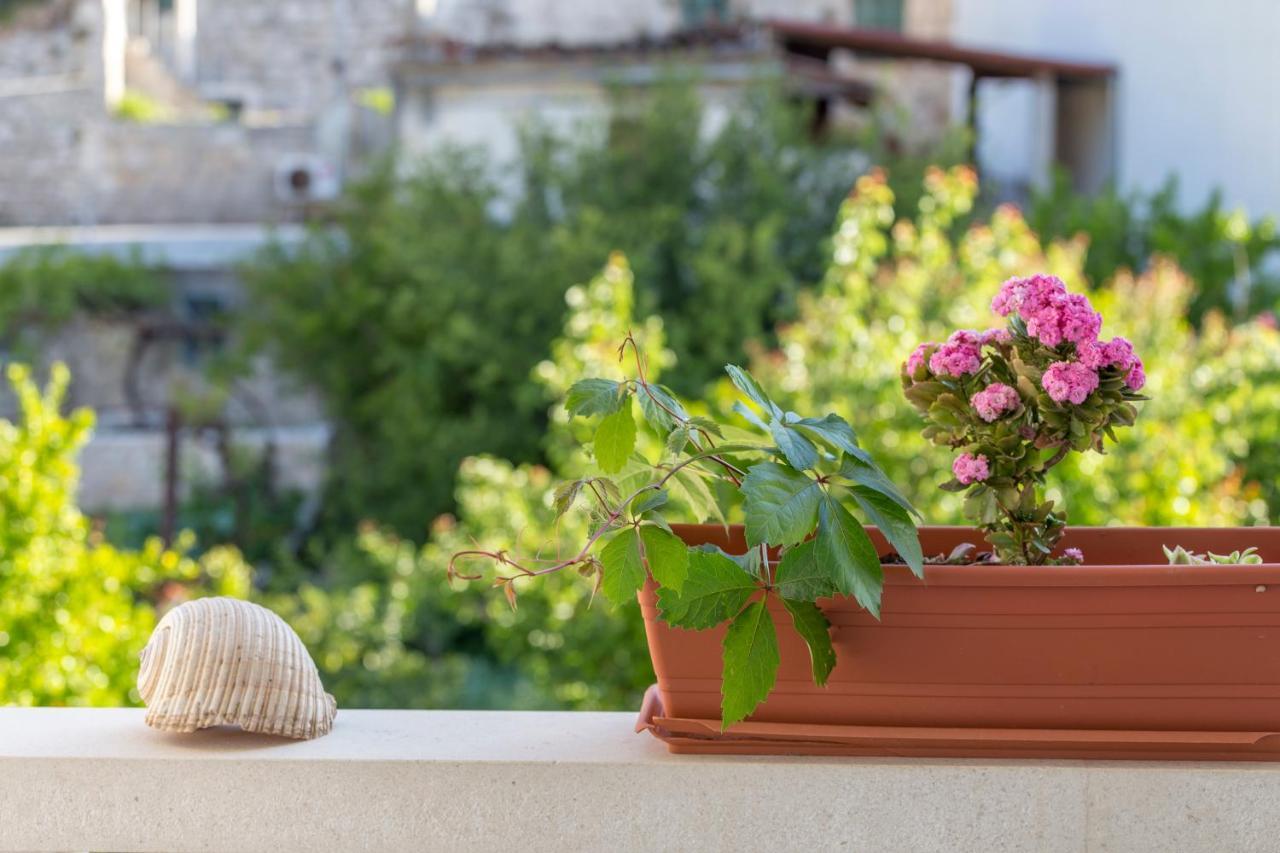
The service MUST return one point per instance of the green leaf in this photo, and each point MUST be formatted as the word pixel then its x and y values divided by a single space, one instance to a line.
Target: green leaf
pixel 847 549
pixel 751 417
pixel 715 590
pixel 833 431
pixel 614 440
pixel 801 576
pixel 676 440
pixel 564 496
pixel 813 626
pixel 658 405
pixel 868 474
pixel 623 568
pixel 666 557
pixel 750 663
pixel 780 504
pixel 647 501
pixel 798 450
pixel 895 523
pixel 594 397
pixel 707 425
pixel 689 488
pixel 747 384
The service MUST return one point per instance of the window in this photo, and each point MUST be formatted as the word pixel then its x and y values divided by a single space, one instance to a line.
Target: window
pixel 878 14
pixel 697 13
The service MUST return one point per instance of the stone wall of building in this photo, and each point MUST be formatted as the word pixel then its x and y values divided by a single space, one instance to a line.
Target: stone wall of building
pixel 298 56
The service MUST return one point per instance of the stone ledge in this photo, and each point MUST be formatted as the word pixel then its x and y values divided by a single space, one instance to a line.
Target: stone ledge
pixel 454 780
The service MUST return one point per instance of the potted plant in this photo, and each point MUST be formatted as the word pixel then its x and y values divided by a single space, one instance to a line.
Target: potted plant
pixel 1024 636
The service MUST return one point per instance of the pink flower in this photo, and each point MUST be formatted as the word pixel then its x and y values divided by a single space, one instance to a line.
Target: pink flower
pixel 991 337
pixel 1116 352
pixel 1069 381
pixel 994 400
pixel 1137 376
pixel 918 357
pixel 1077 320
pixel 959 356
pixel 1051 314
pixel 1120 354
pixel 1073 554
pixel 970 469
pixel 1026 296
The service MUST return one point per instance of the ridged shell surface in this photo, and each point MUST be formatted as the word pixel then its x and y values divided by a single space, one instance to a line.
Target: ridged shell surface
pixel 222 661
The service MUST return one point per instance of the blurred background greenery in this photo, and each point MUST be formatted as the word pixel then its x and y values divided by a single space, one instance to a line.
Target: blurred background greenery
pixel 440 317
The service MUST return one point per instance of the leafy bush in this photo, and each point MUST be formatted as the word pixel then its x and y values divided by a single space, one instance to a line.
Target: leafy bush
pixel 419 313
pixel 74 611
pixel 1231 260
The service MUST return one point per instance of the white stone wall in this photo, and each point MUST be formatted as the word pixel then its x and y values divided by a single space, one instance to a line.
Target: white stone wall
pixel 1196 93
pixel 297 55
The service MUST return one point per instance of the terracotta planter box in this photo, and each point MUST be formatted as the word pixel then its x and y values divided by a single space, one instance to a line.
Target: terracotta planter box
pixel 1122 658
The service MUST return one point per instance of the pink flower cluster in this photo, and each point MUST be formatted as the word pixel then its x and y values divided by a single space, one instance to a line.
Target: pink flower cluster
pixel 1117 353
pixel 919 357
pixel 1051 314
pixel 971 469
pixel 994 400
pixel 959 356
pixel 1069 381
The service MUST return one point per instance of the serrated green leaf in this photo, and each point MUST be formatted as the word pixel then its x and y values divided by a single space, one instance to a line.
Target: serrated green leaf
pixel 689 488
pixel 812 625
pixel 615 438
pixel 801 576
pixel 623 568
pixel 847 549
pixel 665 556
pixel 750 663
pixel 747 384
pixel 564 496
pixel 593 397
pixel 649 500
pixel 707 425
pixel 715 589
pixel 798 450
pixel 833 431
pixel 868 474
pixel 660 407
pixel 780 504
pixel 894 523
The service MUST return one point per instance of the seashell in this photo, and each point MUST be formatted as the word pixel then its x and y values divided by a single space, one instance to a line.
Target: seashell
pixel 222 661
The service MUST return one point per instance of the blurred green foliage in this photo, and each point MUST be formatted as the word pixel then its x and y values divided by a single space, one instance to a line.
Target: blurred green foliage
pixel 1234 263
pixel 74 610
pixel 44 287
pixel 418 312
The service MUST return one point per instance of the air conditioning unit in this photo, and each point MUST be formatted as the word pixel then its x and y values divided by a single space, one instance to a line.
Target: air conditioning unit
pixel 305 179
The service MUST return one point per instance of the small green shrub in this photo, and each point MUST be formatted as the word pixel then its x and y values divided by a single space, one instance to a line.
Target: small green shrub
pixel 74 611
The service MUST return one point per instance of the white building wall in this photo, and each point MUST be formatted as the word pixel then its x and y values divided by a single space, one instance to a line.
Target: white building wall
pixel 1198 92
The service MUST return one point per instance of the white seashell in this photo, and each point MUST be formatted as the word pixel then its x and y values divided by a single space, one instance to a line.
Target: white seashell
pixel 222 661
